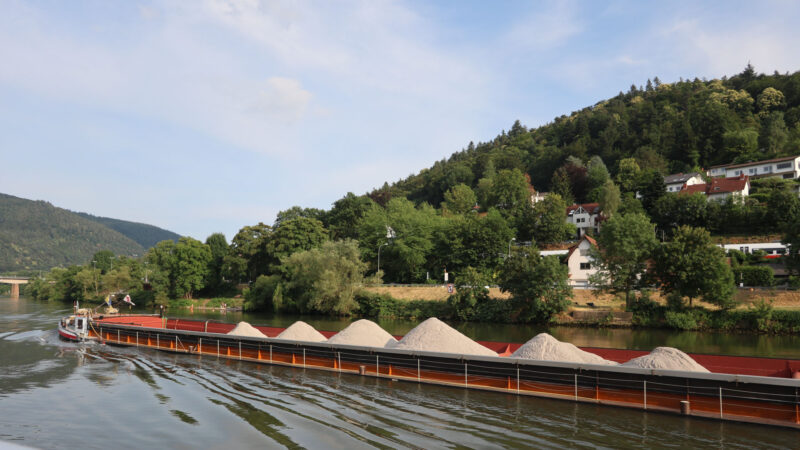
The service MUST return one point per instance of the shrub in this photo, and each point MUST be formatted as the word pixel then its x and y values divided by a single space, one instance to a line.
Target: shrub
pixel 762 313
pixel 681 320
pixel 755 275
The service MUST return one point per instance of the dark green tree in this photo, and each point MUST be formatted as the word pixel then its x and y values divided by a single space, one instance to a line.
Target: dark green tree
pixel 561 185
pixel 219 249
pixel 248 257
pixel 343 218
pixel 609 198
pixel 293 236
pixel 628 174
pixel 651 188
pixel 297 212
pixel 460 199
pixel 404 256
pixel 547 221
pixel 103 260
pixel 324 279
pixel 470 292
pixel 190 271
pixel 692 266
pixel 538 286
pixel 624 245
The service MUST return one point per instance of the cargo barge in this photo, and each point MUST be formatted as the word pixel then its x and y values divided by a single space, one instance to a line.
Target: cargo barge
pixel 744 389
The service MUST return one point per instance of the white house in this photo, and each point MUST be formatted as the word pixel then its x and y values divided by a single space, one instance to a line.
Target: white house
pixel 675 182
pixel 584 217
pixel 537 196
pixel 787 168
pixel 579 262
pixel 721 188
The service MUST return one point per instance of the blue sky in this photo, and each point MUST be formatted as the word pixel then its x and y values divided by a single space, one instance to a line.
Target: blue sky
pixel 209 115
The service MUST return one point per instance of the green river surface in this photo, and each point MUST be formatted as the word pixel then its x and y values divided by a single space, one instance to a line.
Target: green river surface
pixel 55 394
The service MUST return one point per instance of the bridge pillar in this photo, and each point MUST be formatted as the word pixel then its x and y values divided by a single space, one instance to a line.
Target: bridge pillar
pixel 14 290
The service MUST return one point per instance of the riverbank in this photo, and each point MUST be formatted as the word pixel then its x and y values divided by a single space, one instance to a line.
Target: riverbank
pixel 757 311
pixel 584 298
pixel 208 304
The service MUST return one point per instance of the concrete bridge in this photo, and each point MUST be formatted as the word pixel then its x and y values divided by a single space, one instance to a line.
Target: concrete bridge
pixel 14 282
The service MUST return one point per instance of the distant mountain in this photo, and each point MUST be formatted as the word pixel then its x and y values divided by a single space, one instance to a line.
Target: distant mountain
pixel 35 235
pixel 145 235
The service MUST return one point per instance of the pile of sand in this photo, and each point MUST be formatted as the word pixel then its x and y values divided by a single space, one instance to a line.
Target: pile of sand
pixel 301 331
pixel 667 358
pixel 433 335
pixel 245 329
pixel 544 347
pixel 363 332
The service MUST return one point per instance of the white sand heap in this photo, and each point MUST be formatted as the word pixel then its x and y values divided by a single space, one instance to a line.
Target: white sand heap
pixel 245 329
pixel 544 347
pixel 433 335
pixel 363 332
pixel 667 358
pixel 301 331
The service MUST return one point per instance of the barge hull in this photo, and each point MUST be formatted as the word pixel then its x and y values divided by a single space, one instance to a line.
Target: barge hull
pixel 726 397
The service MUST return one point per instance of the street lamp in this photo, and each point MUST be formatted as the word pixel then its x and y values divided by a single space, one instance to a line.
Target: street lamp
pixel 390 234
pixel 379 254
pixel 509 246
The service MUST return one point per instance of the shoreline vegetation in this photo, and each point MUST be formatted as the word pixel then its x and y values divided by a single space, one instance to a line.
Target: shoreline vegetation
pixel 754 314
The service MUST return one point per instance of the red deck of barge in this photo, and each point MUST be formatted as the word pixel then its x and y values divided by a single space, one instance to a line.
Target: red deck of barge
pixel 736 365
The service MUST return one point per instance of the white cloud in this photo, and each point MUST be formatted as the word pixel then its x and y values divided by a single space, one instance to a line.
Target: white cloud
pixel 281 99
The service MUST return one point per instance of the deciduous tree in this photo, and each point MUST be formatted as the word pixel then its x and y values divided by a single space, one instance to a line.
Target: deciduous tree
pixel 623 247
pixel 692 266
pixel 538 286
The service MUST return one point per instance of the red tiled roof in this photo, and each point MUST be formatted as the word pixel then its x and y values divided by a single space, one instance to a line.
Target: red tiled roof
pixel 591 208
pixel 586 237
pixel 718 186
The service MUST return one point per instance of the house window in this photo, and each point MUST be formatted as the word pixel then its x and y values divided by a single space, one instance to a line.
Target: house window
pixel 752 171
pixel 767 169
pixel 586 266
pixel 786 165
pixel 737 172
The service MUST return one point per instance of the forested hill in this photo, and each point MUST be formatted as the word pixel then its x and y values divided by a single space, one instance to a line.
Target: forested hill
pixel 669 127
pixel 35 235
pixel 145 235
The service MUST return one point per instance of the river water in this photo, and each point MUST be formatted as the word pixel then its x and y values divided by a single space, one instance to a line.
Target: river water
pixel 55 394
